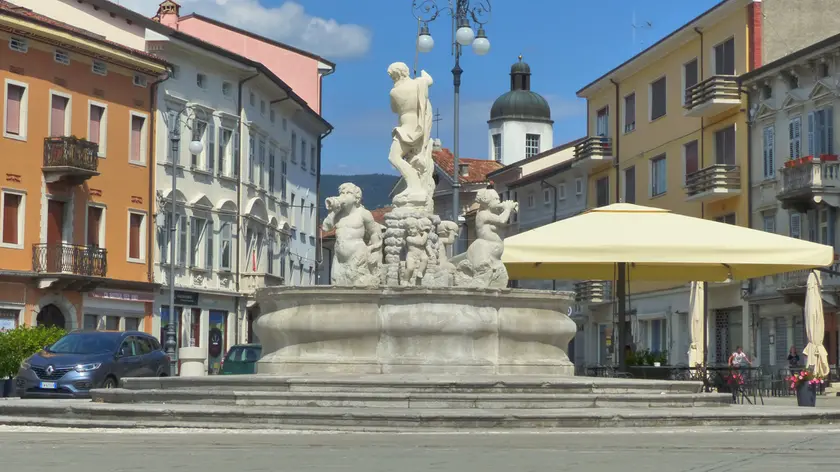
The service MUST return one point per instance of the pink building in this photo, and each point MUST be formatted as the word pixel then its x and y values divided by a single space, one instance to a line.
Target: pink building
pixel 302 70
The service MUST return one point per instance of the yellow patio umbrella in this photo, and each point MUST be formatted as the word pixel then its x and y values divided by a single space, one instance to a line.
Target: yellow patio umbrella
pixel 815 328
pixel 656 244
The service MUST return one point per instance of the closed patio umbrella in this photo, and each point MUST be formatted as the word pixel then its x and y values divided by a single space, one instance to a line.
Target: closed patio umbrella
pixel 815 328
pixel 696 348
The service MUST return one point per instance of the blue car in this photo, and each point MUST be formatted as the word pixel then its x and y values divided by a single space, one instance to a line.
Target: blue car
pixel 84 360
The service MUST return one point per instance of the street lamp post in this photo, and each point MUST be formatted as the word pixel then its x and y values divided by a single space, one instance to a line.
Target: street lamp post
pixel 195 148
pixel 461 11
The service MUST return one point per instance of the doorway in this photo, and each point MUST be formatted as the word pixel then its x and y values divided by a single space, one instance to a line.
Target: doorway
pixel 51 316
pixel 55 237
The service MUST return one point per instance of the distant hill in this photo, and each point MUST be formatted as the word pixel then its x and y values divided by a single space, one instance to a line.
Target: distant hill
pixel 375 188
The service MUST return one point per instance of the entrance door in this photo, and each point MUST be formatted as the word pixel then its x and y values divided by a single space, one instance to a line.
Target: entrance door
pixel 50 316
pixel 55 236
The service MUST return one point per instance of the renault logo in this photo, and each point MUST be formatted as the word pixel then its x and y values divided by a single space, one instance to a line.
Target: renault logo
pixel 50 370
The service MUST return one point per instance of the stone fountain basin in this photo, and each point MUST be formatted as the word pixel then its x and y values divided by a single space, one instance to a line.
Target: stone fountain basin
pixel 404 330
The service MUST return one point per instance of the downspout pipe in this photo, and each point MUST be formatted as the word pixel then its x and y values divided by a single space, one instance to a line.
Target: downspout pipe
pixel 701 152
pixel 624 334
pixel 553 188
pixel 239 205
pixel 319 249
pixel 150 160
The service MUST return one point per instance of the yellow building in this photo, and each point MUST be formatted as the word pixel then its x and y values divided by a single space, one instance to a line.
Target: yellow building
pixel 668 129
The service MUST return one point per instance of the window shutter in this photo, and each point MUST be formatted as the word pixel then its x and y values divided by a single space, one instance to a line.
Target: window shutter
pixel 211 146
pixel 769 152
pixel 209 240
pixel 795 225
pixel 791 140
pixel 236 152
pixel 811 124
pixel 829 130
pixel 182 240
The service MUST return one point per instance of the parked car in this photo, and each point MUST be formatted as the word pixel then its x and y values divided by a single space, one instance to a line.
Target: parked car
pixel 83 360
pixel 241 359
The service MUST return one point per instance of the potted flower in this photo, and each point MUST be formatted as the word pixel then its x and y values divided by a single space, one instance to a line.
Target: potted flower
pixel 805 383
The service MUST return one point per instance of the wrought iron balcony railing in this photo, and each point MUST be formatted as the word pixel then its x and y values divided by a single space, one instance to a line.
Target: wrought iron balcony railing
pixel 61 258
pixel 70 157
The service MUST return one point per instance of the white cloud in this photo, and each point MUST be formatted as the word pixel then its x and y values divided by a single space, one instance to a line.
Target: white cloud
pixel 288 23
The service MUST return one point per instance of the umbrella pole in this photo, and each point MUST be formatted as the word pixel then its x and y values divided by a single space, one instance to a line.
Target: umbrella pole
pixel 621 295
pixel 705 323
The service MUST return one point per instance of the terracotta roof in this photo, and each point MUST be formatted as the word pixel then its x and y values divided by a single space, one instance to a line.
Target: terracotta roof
pixel 7 7
pixel 477 168
pixel 378 216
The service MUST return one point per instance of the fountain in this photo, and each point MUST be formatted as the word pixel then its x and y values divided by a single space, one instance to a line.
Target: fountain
pixel 397 305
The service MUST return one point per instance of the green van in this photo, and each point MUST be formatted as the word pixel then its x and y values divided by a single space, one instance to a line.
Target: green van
pixel 241 359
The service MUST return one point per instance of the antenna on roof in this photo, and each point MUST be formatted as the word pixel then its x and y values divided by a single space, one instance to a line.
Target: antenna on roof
pixel 437 119
pixel 645 25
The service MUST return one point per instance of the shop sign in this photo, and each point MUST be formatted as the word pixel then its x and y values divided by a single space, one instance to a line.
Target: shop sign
pixel 139 297
pixel 186 298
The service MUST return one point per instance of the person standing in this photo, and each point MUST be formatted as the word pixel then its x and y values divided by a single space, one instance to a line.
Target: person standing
pixel 739 359
pixel 793 358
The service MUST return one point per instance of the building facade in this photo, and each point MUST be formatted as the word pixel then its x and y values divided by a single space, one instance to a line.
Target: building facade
pixel 668 129
pixel 77 177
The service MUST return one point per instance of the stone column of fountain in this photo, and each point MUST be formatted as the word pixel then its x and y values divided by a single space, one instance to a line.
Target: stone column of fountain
pixel 397 304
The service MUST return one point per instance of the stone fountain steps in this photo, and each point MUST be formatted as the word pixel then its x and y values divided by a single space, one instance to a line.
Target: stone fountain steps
pixel 410 400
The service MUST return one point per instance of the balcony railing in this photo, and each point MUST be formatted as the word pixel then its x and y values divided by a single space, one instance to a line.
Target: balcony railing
pixel 593 291
pixel 596 148
pixel 251 282
pixel 715 182
pixel 60 258
pixel 805 177
pixel 712 96
pixel 70 158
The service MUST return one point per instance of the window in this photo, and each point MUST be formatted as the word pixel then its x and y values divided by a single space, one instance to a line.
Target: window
pixel 225 244
pixel 725 57
pixel 532 145
pixel 283 168
pixel 561 192
pixel 728 219
pixel 271 253
pixel 182 241
pixel 59 115
pixel 285 124
pixel 198 134
pixel 252 157
pixel 313 160
pixel 272 116
pixel 97 126
pixel 201 81
pixel 62 57
pixel 821 132
pixel 197 228
pixel 725 146
pixel 793 81
pixel 271 169
pixel 252 99
pixel 99 68
pixel 136 228
pixel 602 122
pixel 225 136
pixel 770 223
pixel 578 186
pixel 531 201
pixel 767 91
pixel 95 226
pixel 691 153
pixel 262 163
pixel 17 104
pixel 602 192
pixel 546 196
pixel 236 152
pixel 795 137
pixel 262 107
pixel 303 154
pixel 293 212
pixel 658 176
pixel 769 152
pixel 227 89
pixel 630 113
pixel 630 185
pixel 658 101
pixel 294 148
pixel 691 76
pixel 497 147
pixel 137 141
pixel 175 72
pixel 140 80
pixel 796 225
pixel 823 71
pixel 210 147
pixel 18 44
pixel 13 218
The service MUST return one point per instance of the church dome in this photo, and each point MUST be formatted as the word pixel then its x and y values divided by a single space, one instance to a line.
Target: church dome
pixel 520 103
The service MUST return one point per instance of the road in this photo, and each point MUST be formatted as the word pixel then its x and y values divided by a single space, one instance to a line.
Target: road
pixel 700 450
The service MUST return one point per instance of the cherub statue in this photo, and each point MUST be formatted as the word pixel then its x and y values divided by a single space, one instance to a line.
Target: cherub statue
pixel 357 257
pixel 416 258
pixel 483 267
pixel 448 233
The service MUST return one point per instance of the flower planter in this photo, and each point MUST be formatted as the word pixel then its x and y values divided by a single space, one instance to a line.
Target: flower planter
pixel 8 388
pixel 806 394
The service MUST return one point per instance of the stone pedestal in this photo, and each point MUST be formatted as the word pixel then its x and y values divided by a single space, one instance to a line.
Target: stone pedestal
pixel 448 331
pixel 192 362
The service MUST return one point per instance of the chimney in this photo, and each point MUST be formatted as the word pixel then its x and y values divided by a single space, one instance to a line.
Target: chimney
pixel 168 14
pixel 437 144
pixel 463 170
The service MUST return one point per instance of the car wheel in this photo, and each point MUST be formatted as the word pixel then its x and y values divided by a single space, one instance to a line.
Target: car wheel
pixel 109 382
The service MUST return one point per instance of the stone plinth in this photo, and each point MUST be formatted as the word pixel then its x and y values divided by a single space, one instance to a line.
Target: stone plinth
pixel 327 329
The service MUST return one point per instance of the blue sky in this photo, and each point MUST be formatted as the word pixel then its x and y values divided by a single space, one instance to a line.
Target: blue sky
pixel 567 44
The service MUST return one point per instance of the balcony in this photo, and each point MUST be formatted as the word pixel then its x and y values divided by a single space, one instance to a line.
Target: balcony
pixel 593 150
pixel 593 291
pixel 716 182
pixel 70 159
pixel 63 266
pixel 252 282
pixel 808 180
pixel 712 96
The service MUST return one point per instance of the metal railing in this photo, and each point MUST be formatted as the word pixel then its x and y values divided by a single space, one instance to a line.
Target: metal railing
pixel 717 87
pixel 61 258
pixel 594 147
pixel 714 177
pixel 593 291
pixel 69 151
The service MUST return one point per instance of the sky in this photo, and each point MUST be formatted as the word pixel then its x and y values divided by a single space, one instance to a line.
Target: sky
pixel 567 44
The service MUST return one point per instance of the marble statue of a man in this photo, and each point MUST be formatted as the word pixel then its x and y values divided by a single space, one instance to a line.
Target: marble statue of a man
pixel 357 256
pixel 411 144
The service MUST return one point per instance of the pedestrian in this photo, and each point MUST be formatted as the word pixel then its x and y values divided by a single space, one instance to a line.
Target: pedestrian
pixel 793 358
pixel 739 359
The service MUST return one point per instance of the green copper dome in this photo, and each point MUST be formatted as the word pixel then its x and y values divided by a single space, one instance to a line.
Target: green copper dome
pixel 520 103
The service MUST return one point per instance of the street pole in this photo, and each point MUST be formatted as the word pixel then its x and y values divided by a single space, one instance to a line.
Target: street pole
pixel 170 328
pixel 456 161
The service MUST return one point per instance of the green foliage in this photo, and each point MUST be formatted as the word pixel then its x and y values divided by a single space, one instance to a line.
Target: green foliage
pixel 647 358
pixel 18 344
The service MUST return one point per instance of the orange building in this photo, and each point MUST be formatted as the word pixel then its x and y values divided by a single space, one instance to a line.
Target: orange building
pixel 76 177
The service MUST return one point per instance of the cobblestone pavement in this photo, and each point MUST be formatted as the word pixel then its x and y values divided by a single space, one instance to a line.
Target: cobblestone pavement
pixel 698 450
